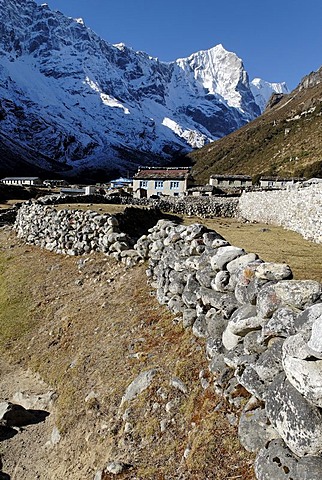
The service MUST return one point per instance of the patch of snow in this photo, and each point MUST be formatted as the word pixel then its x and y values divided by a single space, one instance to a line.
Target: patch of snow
pixel 263 91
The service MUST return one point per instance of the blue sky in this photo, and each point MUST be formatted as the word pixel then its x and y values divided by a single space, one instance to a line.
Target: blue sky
pixel 277 41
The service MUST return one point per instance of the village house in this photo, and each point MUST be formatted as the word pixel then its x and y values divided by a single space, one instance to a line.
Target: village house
pixel 25 181
pixel 158 181
pixel 202 191
pixel 85 190
pixel 277 182
pixel 230 181
pixel 121 183
pixel 55 183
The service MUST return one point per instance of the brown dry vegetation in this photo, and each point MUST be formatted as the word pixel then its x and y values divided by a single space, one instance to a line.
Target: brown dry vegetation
pixel 93 328
pixel 90 328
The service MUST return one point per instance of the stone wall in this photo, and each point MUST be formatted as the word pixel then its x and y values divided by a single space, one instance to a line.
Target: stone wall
pixel 263 335
pixel 262 330
pixel 296 208
pixel 204 207
pixel 78 232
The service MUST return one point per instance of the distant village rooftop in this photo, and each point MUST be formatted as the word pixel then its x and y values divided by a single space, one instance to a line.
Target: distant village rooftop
pixel 232 177
pixel 162 173
pixel 22 181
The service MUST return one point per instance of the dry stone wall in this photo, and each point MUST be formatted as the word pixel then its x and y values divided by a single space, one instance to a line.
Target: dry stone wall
pixel 262 329
pixel 76 232
pixel 296 208
pixel 204 207
pixel 262 332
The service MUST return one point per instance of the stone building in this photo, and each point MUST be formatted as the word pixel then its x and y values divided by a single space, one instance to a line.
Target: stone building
pixel 277 182
pixel 230 181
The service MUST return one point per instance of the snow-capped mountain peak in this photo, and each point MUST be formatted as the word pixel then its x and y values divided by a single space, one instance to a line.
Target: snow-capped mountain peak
pixel 72 100
pixel 263 91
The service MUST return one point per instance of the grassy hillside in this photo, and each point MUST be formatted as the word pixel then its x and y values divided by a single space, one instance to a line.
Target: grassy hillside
pixel 286 140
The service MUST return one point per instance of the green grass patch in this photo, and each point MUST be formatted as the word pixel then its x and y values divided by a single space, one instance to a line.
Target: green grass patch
pixel 15 302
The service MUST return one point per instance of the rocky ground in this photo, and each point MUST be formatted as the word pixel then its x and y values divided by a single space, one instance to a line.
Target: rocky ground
pixel 125 387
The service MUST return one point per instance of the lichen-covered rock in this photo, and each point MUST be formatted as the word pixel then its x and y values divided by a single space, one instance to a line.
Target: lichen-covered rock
pixel 281 324
pixel 254 429
pixel 244 320
pixel 303 371
pixel 315 341
pixel 308 317
pixel 269 363
pixel 292 293
pixel 298 422
pixel 298 293
pixel 224 255
pixel 273 271
pixel 276 462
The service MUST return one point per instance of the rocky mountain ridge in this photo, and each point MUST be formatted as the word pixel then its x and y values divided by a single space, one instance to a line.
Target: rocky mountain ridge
pixel 286 140
pixel 70 102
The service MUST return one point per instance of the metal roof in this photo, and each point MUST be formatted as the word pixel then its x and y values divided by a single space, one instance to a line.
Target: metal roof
pixel 232 177
pixel 20 178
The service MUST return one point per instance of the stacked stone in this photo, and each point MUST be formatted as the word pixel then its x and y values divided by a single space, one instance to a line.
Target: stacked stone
pixel 296 208
pixel 263 334
pixel 203 207
pixel 74 232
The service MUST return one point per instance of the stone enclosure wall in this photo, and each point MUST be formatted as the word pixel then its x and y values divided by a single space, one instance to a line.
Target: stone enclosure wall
pixel 78 232
pixel 262 330
pixel 296 208
pixel 199 206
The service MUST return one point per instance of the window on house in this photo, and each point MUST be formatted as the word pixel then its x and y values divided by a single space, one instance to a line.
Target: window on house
pixel 143 183
pixel 158 184
pixel 174 185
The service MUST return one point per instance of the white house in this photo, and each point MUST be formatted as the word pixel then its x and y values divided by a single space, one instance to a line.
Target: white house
pixel 26 181
pixel 158 181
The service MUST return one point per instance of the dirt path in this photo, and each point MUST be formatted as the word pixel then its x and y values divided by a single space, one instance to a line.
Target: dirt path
pixel 21 386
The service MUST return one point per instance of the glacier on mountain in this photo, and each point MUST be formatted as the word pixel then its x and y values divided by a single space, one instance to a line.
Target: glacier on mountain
pixel 262 91
pixel 70 102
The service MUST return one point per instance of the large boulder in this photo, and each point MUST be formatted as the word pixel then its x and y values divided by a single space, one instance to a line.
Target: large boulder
pixel 276 462
pixel 298 422
pixel 273 271
pixel 254 429
pixel 303 370
pixel 293 293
